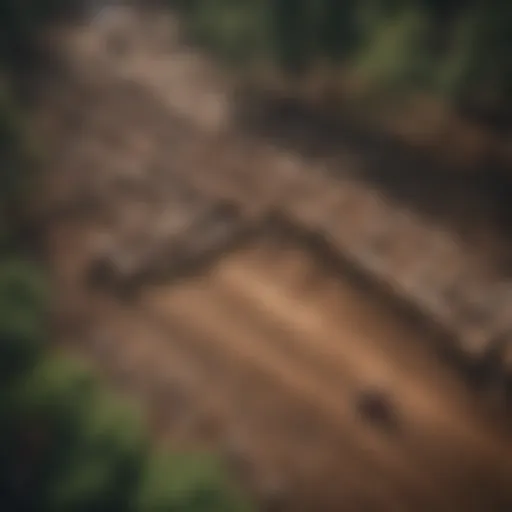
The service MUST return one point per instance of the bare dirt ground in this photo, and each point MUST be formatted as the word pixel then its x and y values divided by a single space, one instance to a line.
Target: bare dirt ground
pixel 175 275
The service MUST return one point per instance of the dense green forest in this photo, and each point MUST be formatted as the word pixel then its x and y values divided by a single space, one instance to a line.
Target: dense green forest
pixel 457 50
pixel 66 443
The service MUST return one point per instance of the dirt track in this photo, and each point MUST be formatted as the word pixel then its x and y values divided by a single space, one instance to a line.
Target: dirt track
pixel 262 352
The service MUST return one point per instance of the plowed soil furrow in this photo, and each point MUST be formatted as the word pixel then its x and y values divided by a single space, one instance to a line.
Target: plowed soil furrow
pixel 251 347
pixel 403 367
pixel 218 399
pixel 259 282
pixel 271 412
pixel 268 414
pixel 280 283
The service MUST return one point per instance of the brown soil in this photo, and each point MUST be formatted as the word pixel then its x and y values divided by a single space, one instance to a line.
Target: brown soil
pixel 261 350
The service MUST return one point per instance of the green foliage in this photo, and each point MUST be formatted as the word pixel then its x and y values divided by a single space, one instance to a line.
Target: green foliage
pixel 66 445
pixel 458 49
pixel 237 31
pixel 22 298
pixel 13 150
pixel 79 450
pixel 393 54
pixel 190 483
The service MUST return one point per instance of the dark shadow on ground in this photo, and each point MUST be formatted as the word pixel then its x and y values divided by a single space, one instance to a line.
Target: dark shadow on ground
pixel 463 199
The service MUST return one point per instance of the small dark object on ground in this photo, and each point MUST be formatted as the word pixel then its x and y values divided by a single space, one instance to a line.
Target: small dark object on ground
pixel 375 406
